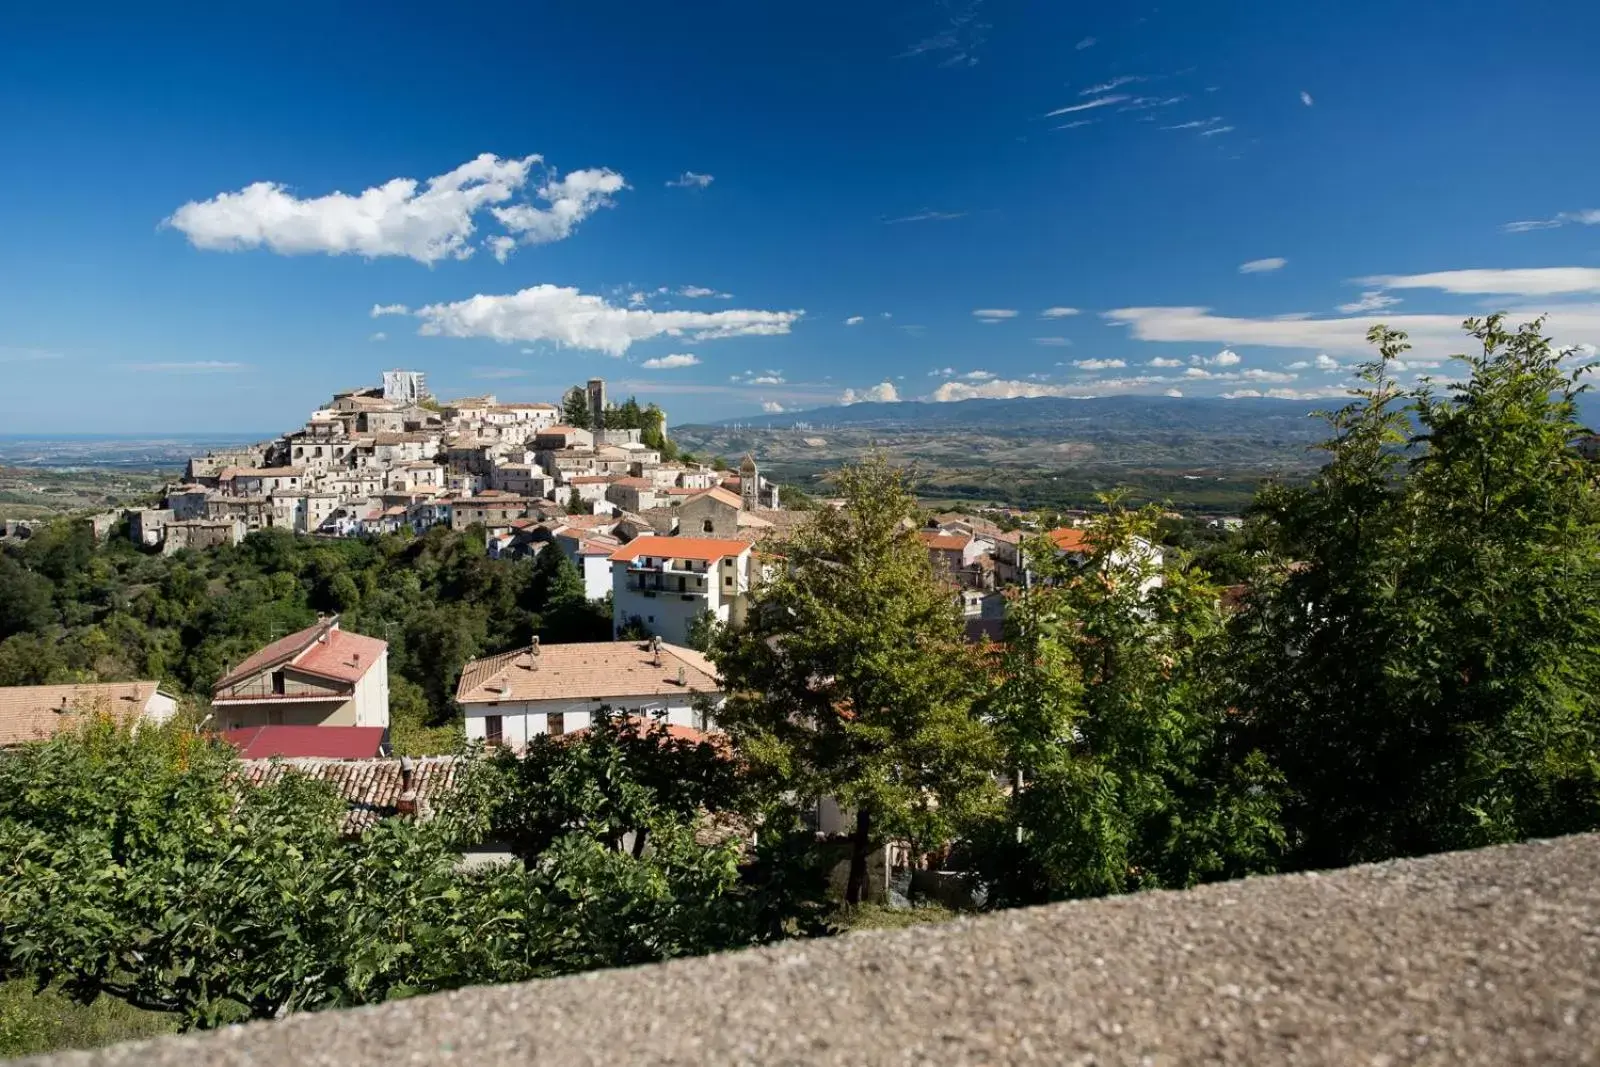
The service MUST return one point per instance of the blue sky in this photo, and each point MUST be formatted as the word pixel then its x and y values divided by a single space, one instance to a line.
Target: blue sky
pixel 728 207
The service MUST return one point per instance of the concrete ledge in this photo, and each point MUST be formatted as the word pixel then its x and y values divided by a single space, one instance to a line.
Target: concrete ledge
pixel 1488 957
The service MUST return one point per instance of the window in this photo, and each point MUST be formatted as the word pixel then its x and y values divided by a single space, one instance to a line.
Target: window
pixel 707 526
pixel 555 723
pixel 277 683
pixel 492 730
pixel 727 579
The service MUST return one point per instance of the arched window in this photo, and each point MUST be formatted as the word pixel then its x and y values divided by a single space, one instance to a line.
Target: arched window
pixel 706 526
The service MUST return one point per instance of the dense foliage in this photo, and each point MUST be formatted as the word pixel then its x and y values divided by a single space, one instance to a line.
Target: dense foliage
pixel 73 610
pixel 136 865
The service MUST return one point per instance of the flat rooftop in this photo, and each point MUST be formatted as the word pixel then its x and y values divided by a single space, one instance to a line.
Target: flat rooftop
pixel 1485 958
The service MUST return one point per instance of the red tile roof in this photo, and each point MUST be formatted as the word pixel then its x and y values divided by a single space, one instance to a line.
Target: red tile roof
pixel 343 656
pixel 944 542
pixel 371 787
pixel 706 549
pixel 37 712
pixel 1069 539
pixel 327 742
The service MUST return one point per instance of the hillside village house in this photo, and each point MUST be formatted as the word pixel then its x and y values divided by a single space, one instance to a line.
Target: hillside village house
pixel 556 689
pixel 1073 543
pixel 665 582
pixel 320 676
pixel 39 712
pixel 591 554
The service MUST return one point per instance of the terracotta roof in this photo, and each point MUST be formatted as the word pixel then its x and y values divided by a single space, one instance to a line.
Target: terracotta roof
pixel 371 787
pixel 591 479
pixel 944 542
pixel 721 496
pixel 560 428
pixel 535 406
pixel 599 670
pixel 707 549
pixel 672 729
pixel 329 742
pixel 1069 539
pixel 343 656
pixel 37 712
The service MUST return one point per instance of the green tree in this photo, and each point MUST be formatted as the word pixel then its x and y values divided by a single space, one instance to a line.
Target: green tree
pixel 575 504
pixel 575 408
pixel 568 614
pixel 1111 713
pixel 851 677
pixel 1425 672
pixel 26 601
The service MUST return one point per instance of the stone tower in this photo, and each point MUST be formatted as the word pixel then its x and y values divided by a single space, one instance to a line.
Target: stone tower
pixel 749 483
pixel 597 404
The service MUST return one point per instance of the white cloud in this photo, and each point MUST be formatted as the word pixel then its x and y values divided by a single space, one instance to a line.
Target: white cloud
pixel 573 319
pixel 979 375
pixel 854 320
pixel 772 407
pixel 425 221
pixel 199 366
pixel 1012 389
pixel 1591 217
pixel 1196 124
pixel 766 379
pixel 1326 363
pixel 1052 342
pixel 389 309
pixel 1371 300
pixel 379 336
pixel 1173 392
pixel 1226 358
pixel 927 216
pixel 1299 364
pixel 696 292
pixel 1104 101
pixel 1098 364
pixel 637 300
pixel 941 372
pixel 1058 313
pixel 1526 281
pixel 672 362
pixel 994 314
pixel 1215 130
pixel 1305 98
pixel 882 393
pixel 1260 266
pixel 1256 374
pixel 1115 83
pixel 690 180
pixel 1197 372
pixel 501 247
pixel 1087 42
pixel 1163 361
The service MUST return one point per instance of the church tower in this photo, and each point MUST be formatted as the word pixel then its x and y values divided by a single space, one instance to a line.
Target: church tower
pixel 597 405
pixel 749 483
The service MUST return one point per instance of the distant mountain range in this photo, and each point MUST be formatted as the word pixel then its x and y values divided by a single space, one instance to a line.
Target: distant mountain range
pixel 1268 417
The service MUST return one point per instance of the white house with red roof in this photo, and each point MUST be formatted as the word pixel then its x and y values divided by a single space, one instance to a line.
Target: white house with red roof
pixel 320 676
pixel 666 582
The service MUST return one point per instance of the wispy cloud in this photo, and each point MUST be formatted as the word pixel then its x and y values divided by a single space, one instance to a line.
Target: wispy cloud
pixel 927 216
pixel 1104 101
pixel 1215 130
pixel 696 292
pixel 388 309
pixel 1114 83
pixel 9 354
pixel 1371 300
pixel 1590 217
pixel 1262 266
pixel 963 33
pixel 993 315
pixel 1075 124
pixel 854 320
pixel 1305 98
pixel 199 366
pixel 379 336
pixel 672 362
pixel 1145 103
pixel 1052 342
pixel 1099 364
pixel 1087 42
pixel 1164 361
pixel 1058 313
pixel 1523 281
pixel 690 180
pixel 771 407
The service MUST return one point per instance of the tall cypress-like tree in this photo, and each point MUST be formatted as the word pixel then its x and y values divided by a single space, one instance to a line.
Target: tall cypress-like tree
pixel 575 408
pixel 851 678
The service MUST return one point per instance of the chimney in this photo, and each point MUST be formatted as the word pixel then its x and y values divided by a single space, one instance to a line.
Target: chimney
pixel 408 789
pixel 683 679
